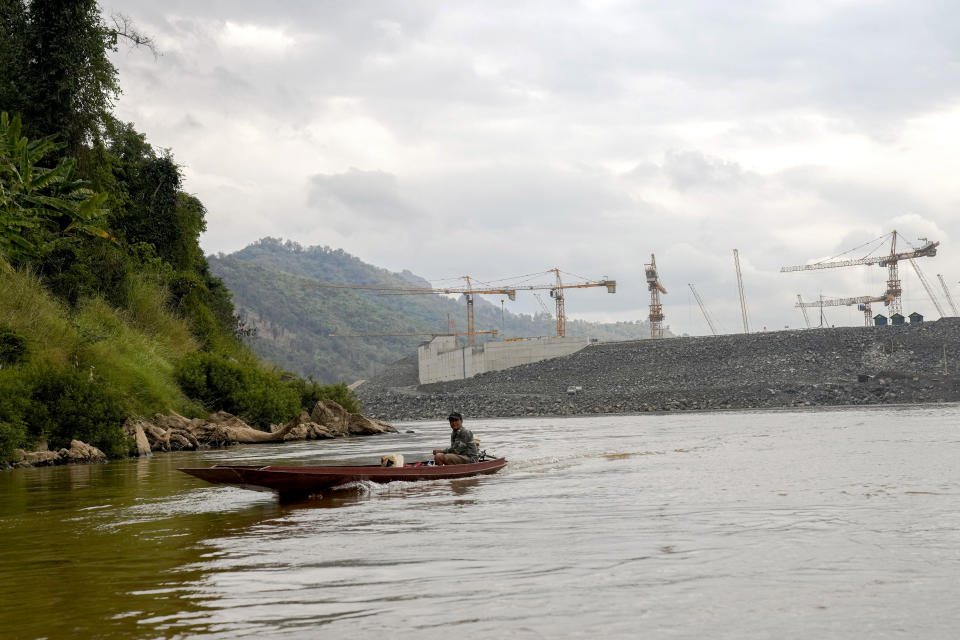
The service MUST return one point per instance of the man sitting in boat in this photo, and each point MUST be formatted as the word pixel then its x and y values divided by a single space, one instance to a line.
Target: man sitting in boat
pixel 462 449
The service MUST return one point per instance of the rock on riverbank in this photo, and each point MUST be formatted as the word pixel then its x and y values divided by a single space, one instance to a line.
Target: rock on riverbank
pixel 177 433
pixel 79 452
pixel 815 367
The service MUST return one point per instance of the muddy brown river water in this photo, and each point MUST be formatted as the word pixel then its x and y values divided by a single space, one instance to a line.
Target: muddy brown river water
pixel 808 524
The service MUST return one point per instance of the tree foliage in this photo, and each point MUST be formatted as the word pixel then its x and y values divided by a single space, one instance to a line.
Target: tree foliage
pixel 41 207
pixel 107 303
pixel 13 347
pixel 70 83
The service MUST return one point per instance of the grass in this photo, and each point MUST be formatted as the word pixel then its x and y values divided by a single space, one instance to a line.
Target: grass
pixel 134 350
pixel 138 365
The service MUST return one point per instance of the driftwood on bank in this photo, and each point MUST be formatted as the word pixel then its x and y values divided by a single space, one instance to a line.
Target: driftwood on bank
pixel 177 433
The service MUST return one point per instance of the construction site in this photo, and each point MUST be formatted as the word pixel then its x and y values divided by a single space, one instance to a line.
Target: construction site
pixel 914 360
pixel 913 363
pixel 444 358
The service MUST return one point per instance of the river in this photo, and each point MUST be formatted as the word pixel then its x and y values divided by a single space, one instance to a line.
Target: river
pixel 800 524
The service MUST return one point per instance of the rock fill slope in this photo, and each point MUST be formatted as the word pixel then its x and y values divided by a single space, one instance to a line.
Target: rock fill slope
pixel 839 366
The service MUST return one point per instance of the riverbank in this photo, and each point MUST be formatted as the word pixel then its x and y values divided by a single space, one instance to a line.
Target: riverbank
pixel 847 366
pixel 178 433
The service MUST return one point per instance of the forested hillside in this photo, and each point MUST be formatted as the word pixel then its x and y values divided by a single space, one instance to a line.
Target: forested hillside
pixel 274 289
pixel 108 309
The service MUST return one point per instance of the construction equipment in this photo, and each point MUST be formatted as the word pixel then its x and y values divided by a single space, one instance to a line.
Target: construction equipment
pixel 946 293
pixel 863 303
pixel 703 309
pixel 468 293
pixel 890 260
pixel 656 309
pixel 743 299
pixel 926 285
pixel 803 309
pixel 556 292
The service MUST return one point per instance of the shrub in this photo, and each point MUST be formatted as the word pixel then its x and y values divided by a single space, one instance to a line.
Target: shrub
pixel 310 391
pixel 259 396
pixel 12 436
pixel 67 405
pixel 14 401
pixel 13 347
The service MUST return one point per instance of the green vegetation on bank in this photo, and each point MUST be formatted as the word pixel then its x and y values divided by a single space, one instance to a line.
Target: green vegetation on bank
pixel 108 308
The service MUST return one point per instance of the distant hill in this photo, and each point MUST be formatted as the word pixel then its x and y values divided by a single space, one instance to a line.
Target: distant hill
pixel 273 290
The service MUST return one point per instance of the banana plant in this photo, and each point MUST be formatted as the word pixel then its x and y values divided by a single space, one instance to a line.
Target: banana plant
pixel 40 205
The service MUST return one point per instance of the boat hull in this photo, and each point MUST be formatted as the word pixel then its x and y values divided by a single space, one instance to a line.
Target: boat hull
pixel 306 480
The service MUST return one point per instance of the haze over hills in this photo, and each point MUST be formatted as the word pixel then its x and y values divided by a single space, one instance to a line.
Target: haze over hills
pixel 274 291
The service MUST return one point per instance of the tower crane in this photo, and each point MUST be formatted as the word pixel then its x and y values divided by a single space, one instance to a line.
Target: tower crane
pixel 703 309
pixel 890 260
pixel 656 309
pixel 863 303
pixel 468 292
pixel 556 292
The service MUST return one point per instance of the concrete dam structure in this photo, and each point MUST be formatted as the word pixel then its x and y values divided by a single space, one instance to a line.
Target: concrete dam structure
pixel 442 360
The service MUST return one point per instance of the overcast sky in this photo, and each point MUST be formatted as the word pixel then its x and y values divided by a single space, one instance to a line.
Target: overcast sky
pixel 503 138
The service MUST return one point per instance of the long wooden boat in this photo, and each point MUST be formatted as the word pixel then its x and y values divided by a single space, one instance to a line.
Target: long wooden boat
pixel 301 480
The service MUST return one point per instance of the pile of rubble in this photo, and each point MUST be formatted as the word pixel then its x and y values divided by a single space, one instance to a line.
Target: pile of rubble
pixel 816 367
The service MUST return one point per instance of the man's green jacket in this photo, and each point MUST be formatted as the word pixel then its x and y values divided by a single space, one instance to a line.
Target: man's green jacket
pixel 461 443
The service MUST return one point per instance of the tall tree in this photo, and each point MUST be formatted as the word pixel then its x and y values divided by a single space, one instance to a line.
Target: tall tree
pixel 71 83
pixel 13 58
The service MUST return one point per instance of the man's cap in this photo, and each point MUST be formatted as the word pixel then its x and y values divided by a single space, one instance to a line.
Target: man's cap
pixel 455 416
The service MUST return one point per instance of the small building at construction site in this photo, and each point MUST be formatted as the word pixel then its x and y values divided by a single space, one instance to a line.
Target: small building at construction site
pixel 442 359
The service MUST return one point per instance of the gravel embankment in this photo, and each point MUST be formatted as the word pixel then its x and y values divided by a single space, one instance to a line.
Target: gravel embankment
pixel 842 366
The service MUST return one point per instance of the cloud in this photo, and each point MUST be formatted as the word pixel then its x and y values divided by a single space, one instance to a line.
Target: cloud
pixel 506 138
pixel 355 200
pixel 257 38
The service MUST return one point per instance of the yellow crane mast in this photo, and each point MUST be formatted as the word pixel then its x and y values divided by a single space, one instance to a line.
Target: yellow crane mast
pixel 656 309
pixel 556 292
